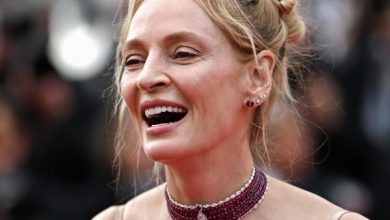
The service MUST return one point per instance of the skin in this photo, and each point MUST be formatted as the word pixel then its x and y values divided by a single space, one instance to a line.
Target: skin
pixel 173 60
pixel 193 65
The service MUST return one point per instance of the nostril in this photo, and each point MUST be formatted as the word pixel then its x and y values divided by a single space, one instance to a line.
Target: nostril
pixel 160 84
pixel 152 86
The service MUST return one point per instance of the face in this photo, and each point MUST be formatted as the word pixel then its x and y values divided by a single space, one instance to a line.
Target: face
pixel 183 83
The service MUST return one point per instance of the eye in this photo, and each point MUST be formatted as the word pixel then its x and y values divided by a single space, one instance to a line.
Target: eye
pixel 185 53
pixel 133 62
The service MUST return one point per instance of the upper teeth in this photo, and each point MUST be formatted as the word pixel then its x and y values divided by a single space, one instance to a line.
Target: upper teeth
pixel 157 110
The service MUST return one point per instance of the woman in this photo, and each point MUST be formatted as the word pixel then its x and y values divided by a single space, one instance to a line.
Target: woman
pixel 198 79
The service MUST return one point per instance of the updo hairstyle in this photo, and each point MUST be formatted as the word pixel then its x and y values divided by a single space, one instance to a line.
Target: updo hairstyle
pixel 251 26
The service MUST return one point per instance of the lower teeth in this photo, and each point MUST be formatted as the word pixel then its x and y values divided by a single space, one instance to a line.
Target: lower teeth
pixel 161 124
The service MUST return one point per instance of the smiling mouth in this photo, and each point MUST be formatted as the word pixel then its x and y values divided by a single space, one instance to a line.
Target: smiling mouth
pixel 160 115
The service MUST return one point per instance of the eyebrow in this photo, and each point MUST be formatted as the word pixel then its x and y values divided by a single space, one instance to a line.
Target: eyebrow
pixel 169 39
pixel 184 36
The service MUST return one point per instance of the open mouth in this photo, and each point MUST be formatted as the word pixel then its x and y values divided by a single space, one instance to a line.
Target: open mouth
pixel 163 115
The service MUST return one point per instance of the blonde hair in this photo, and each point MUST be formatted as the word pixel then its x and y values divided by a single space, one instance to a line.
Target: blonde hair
pixel 251 26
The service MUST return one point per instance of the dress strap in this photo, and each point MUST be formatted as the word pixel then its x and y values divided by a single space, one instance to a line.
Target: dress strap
pixel 339 214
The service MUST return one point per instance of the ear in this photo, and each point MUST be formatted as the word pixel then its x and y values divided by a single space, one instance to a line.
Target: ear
pixel 260 71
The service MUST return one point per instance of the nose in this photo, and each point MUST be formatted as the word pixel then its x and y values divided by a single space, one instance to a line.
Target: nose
pixel 153 77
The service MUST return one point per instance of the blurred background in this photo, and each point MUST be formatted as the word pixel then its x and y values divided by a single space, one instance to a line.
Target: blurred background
pixel 56 131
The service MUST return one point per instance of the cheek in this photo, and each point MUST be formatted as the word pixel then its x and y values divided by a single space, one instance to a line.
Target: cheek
pixel 201 78
pixel 212 84
pixel 213 93
pixel 128 92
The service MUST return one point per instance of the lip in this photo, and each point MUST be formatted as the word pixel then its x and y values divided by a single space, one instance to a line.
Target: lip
pixel 162 128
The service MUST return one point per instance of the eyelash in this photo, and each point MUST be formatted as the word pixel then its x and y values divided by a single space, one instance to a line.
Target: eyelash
pixel 184 55
pixel 180 55
pixel 132 62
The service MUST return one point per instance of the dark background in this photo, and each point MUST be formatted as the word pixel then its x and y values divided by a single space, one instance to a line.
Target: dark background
pixel 56 131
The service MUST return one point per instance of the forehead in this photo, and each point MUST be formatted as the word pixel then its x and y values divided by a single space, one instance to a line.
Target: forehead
pixel 159 17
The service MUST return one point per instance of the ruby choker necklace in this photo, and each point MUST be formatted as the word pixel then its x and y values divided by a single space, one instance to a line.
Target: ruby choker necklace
pixel 234 207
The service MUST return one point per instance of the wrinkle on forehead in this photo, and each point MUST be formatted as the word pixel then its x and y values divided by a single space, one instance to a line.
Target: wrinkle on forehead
pixel 168 15
pixel 156 20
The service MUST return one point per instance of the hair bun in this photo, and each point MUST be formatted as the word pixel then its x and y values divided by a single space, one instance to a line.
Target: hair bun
pixel 286 6
pixel 248 3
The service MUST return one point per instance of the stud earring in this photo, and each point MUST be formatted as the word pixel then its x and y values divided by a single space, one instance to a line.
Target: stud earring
pixel 254 102
pixel 249 103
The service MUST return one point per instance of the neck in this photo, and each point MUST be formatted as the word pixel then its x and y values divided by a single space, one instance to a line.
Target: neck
pixel 199 181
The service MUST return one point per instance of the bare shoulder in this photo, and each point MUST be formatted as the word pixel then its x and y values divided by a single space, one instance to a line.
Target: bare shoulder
pixel 110 213
pixel 148 205
pixel 295 196
pixel 353 216
pixel 301 203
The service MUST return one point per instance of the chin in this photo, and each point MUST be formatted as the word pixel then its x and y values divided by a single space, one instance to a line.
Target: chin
pixel 166 151
pixel 160 152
